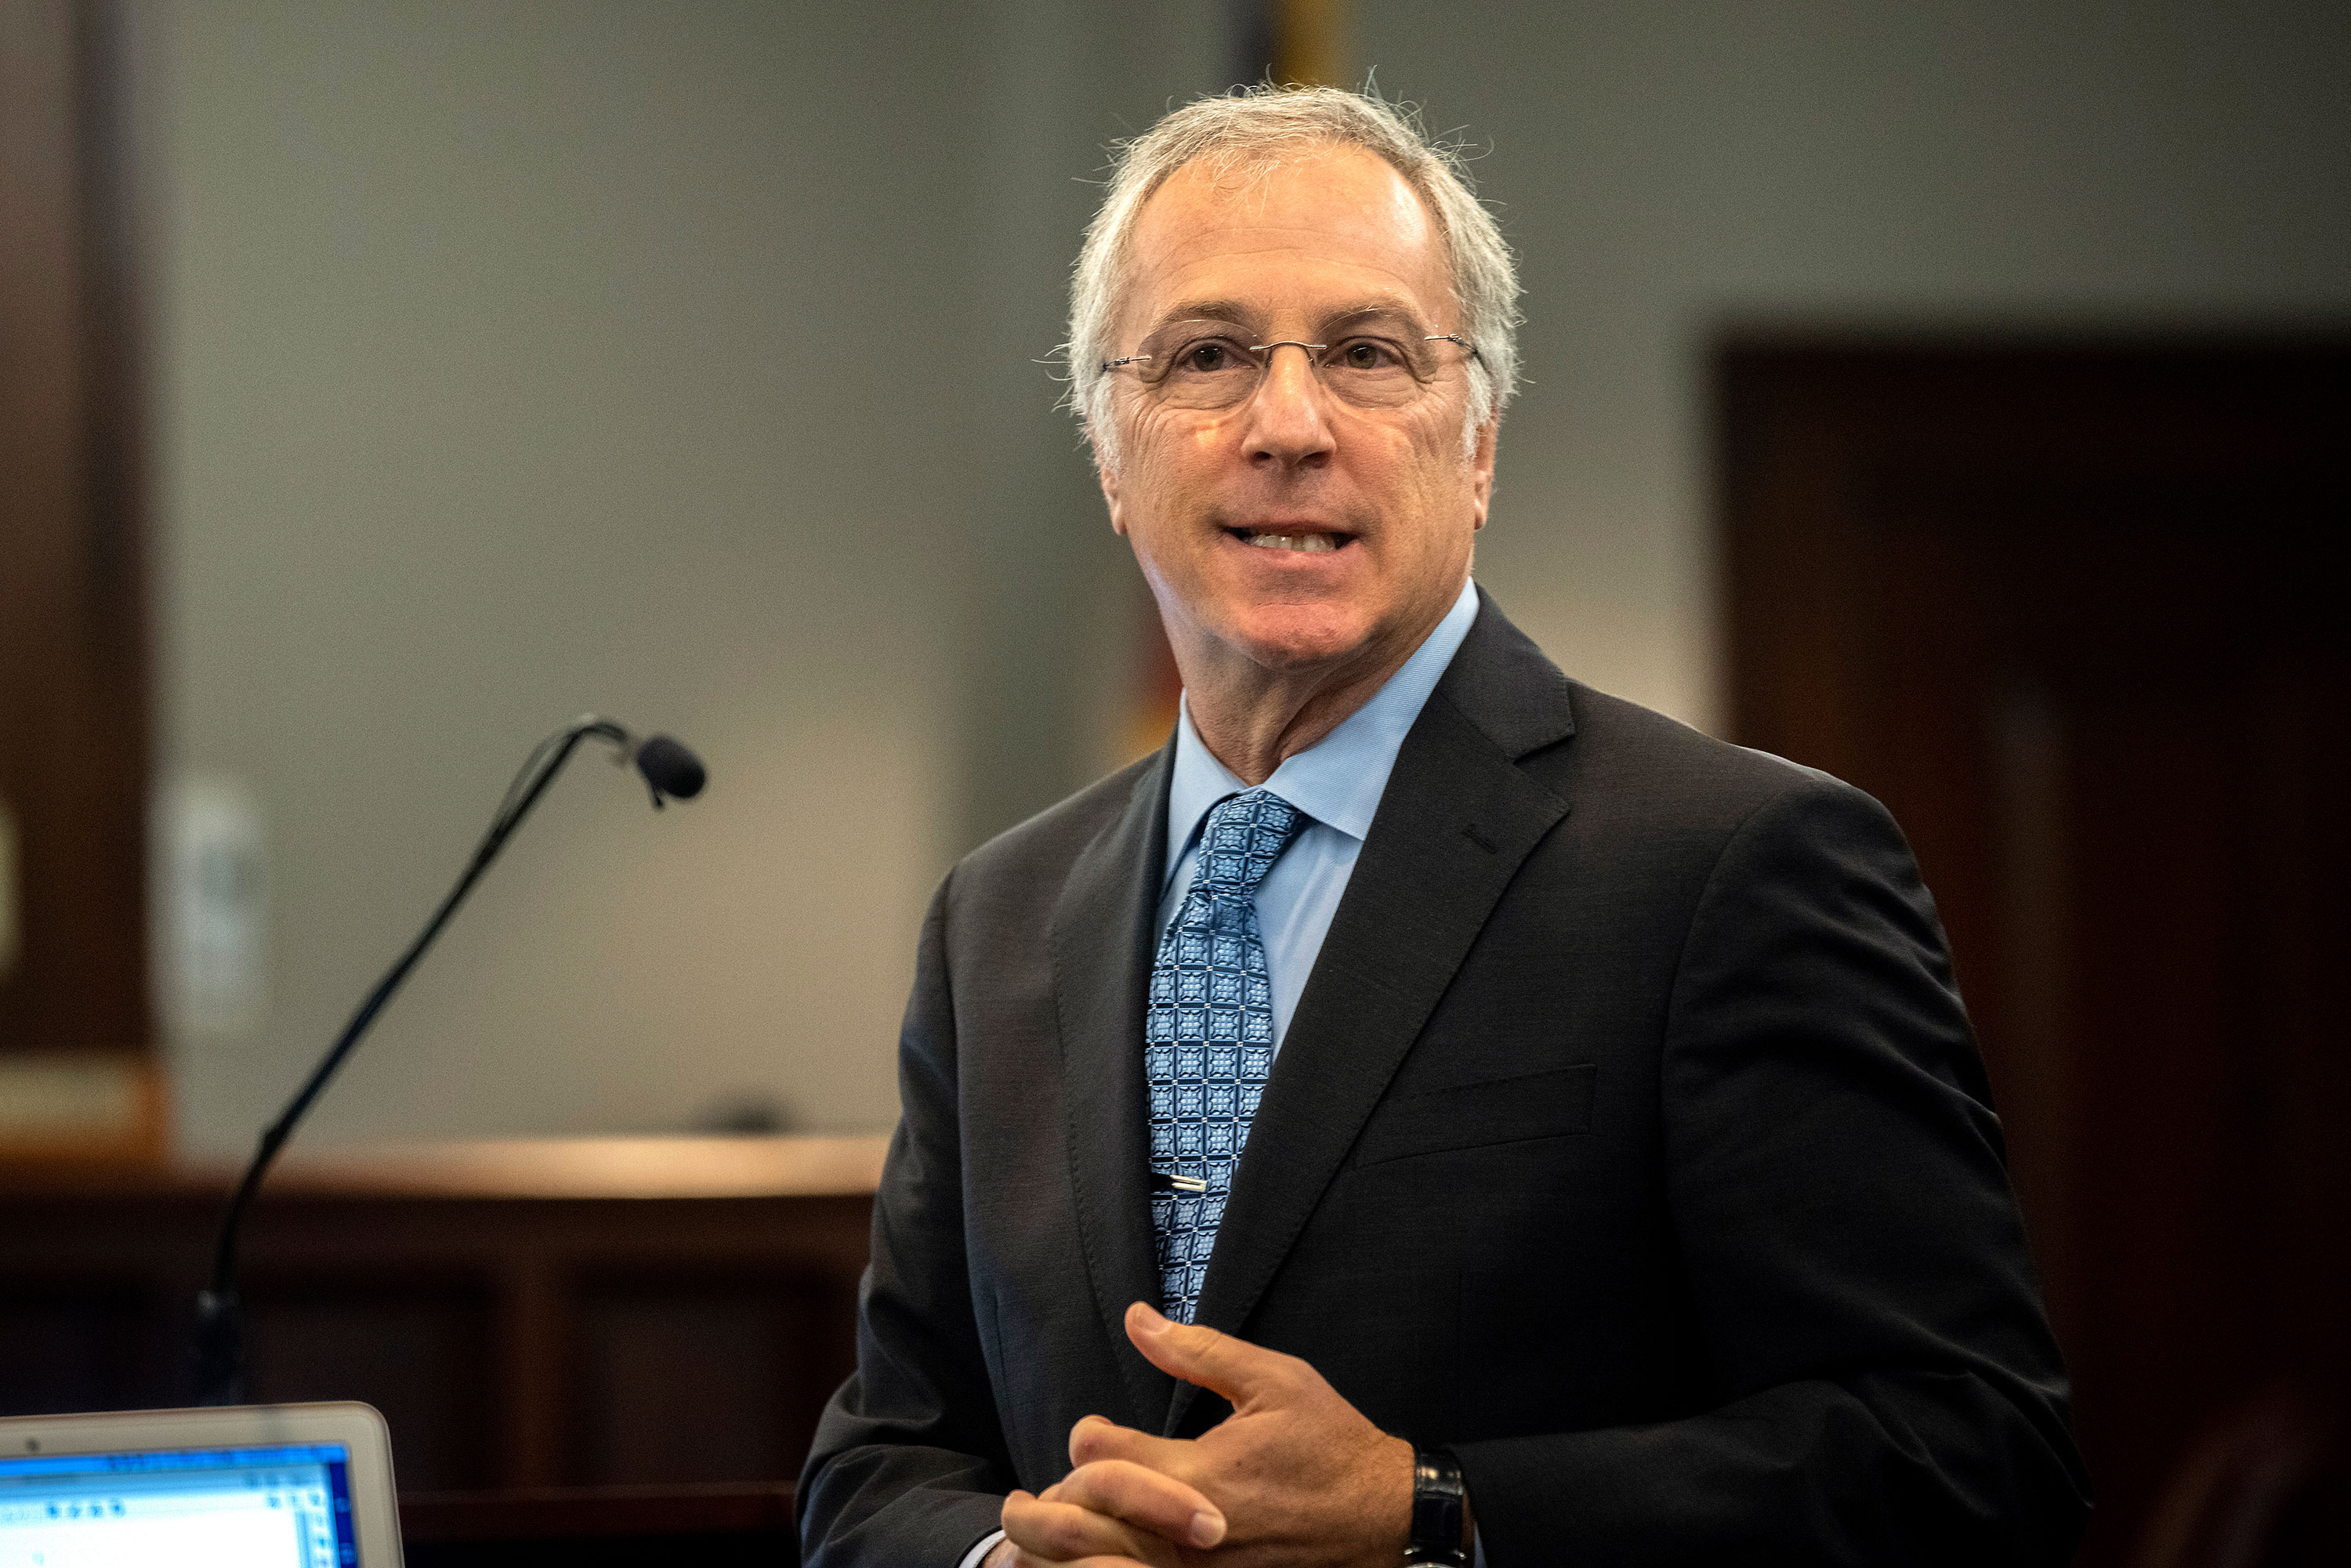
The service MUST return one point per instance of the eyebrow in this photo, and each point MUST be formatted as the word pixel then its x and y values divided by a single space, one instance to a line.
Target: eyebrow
pixel 1233 312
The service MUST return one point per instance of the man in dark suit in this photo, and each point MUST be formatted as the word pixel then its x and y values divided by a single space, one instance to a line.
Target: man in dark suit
pixel 1431 1111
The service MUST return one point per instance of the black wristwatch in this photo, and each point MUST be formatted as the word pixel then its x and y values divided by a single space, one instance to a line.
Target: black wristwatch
pixel 1441 1527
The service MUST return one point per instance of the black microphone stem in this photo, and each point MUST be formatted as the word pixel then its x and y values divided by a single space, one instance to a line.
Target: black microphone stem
pixel 220 1347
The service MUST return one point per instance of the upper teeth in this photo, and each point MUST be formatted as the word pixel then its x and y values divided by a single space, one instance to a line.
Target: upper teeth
pixel 1310 542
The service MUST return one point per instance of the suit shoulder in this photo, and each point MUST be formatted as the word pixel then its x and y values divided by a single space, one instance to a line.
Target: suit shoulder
pixel 1595 749
pixel 1668 767
pixel 1050 841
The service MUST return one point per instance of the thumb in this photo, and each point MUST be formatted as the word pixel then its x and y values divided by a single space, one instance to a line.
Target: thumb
pixel 1217 1362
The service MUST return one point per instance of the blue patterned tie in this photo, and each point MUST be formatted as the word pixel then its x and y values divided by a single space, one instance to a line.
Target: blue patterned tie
pixel 1208 1037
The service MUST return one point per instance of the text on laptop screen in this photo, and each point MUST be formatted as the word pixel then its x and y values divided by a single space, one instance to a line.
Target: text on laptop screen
pixel 287 1506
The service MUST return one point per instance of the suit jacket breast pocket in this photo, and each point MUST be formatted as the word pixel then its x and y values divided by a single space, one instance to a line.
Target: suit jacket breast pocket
pixel 1477 1115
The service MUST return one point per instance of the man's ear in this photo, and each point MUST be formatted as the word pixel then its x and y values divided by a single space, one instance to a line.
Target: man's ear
pixel 1107 477
pixel 1482 471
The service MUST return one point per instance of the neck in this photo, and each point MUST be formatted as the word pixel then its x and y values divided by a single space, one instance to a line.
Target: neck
pixel 1251 717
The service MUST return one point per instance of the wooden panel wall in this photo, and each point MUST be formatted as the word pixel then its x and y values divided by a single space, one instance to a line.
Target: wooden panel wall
pixel 76 1069
pixel 513 1334
pixel 2073 612
pixel 73 629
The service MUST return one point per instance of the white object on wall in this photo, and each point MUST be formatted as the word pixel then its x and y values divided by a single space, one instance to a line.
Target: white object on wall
pixel 213 907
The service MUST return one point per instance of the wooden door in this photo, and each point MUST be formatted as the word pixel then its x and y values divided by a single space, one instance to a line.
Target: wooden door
pixel 77 1069
pixel 2076 614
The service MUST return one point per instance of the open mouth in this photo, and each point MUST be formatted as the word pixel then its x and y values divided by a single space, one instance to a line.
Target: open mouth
pixel 1305 543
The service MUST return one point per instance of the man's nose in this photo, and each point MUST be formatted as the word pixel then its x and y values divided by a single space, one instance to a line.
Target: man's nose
pixel 1286 423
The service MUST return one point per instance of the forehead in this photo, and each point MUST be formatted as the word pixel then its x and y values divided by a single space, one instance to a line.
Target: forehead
pixel 1322 228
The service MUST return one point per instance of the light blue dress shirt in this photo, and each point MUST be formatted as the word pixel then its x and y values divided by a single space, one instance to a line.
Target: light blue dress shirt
pixel 1337 782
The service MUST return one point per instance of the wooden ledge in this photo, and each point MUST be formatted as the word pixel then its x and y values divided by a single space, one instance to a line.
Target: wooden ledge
pixel 536 1168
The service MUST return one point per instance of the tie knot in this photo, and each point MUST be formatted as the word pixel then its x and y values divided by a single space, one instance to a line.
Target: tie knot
pixel 1244 835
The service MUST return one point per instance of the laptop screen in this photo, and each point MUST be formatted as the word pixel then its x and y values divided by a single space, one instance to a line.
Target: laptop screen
pixel 283 1507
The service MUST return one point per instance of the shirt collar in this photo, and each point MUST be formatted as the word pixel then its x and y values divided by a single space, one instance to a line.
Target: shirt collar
pixel 1339 780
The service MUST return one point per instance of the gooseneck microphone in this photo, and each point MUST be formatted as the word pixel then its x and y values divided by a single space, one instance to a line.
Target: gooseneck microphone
pixel 670 772
pixel 669 769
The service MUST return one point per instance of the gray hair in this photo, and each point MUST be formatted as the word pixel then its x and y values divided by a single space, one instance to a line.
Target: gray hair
pixel 1254 128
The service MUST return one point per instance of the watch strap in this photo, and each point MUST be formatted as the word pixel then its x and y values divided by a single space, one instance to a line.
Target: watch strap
pixel 1440 1511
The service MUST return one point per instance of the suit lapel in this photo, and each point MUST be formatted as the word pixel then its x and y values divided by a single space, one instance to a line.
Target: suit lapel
pixel 1101 961
pixel 1456 821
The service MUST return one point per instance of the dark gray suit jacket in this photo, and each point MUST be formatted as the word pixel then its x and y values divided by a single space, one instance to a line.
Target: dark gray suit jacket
pixel 1629 1139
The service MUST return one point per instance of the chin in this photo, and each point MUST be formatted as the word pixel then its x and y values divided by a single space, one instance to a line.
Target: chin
pixel 1302 636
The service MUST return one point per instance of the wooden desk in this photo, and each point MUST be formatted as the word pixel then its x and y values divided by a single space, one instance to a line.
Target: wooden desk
pixel 528 1314
pixel 709 1526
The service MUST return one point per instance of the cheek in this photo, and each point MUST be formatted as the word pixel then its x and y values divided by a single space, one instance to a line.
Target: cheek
pixel 1171 471
pixel 1155 452
pixel 1190 451
pixel 1442 473
pixel 1425 483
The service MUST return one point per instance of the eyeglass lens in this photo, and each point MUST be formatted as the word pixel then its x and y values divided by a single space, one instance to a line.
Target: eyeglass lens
pixel 1197 370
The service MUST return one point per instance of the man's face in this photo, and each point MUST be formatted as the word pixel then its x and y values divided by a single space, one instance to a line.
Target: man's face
pixel 1218 504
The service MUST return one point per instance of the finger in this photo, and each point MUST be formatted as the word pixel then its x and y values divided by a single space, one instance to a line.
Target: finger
pixel 1008 1554
pixel 1014 1557
pixel 1217 1362
pixel 1062 1532
pixel 1099 1437
pixel 1146 1498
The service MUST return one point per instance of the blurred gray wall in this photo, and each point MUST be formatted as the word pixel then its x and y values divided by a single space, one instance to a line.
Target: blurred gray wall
pixel 676 361
pixel 679 361
pixel 1668 169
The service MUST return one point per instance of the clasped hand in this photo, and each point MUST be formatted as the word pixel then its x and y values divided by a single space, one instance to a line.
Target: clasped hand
pixel 1294 1476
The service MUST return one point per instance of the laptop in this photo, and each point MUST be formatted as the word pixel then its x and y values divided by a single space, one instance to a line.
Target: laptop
pixel 250 1486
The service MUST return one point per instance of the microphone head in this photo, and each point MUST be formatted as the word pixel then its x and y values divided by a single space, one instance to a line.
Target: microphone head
pixel 671 768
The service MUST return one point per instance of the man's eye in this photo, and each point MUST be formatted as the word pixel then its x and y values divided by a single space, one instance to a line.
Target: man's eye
pixel 1209 355
pixel 1368 354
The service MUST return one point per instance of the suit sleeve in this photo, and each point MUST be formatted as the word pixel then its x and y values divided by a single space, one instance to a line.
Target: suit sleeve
pixel 908 1468
pixel 1889 1391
